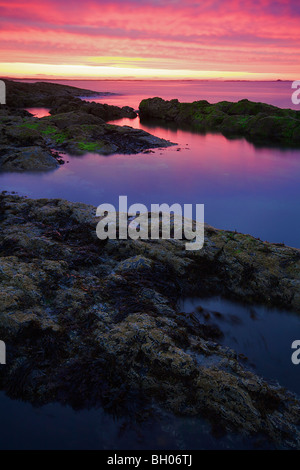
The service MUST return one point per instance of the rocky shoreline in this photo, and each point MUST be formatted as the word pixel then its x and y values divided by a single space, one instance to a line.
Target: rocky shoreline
pixel 88 321
pixel 75 126
pixel 43 94
pixel 260 123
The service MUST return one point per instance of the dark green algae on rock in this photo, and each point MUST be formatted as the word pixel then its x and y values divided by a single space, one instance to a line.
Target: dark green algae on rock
pixel 21 147
pixel 259 122
pixel 28 143
pixel 75 126
pixel 89 321
pixel 79 132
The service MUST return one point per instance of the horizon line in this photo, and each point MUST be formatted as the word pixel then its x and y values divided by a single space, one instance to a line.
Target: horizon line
pixel 148 79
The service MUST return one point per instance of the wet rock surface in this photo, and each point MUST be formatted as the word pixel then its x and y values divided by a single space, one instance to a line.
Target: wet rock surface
pixel 26 159
pixel 89 321
pixel 259 122
pixel 78 132
pixel 22 148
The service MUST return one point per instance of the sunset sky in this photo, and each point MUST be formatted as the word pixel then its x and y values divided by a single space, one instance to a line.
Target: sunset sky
pixel 257 39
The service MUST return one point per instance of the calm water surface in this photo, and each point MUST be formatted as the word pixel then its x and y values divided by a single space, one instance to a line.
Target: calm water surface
pixel 60 427
pixel 253 190
pixel 262 334
pixel 131 92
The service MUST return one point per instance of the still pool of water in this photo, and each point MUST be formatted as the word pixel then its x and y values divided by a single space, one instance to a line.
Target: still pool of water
pixel 58 427
pixel 262 334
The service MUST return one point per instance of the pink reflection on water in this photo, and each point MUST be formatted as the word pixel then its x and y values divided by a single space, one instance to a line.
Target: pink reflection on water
pixel 215 155
pixel 132 92
pixel 39 112
pixel 253 190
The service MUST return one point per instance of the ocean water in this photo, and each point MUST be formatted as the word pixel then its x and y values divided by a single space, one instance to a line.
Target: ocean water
pixel 131 92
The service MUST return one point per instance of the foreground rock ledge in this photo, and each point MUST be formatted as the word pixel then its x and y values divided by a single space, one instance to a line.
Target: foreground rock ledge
pixel 89 321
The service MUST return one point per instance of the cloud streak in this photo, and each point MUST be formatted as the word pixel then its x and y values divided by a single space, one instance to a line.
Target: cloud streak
pixel 261 37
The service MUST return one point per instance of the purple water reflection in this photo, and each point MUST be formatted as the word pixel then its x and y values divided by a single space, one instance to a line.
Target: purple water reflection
pixel 253 190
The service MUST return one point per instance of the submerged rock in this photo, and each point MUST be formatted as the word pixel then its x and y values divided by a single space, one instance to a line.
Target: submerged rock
pixel 258 122
pixel 88 321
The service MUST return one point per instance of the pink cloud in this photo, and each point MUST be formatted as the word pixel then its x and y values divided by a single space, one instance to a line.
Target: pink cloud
pixel 253 36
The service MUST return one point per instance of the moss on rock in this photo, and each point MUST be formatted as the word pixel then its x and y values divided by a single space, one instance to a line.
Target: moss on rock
pixel 259 122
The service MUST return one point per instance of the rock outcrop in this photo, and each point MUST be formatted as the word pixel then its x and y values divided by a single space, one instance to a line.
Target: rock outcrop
pixel 75 126
pixel 28 143
pixel 43 94
pixel 258 122
pixel 22 148
pixel 62 99
pixel 27 159
pixel 104 111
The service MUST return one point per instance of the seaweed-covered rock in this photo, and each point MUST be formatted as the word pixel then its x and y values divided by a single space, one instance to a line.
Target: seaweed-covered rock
pixel 258 122
pixel 27 143
pixel 79 132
